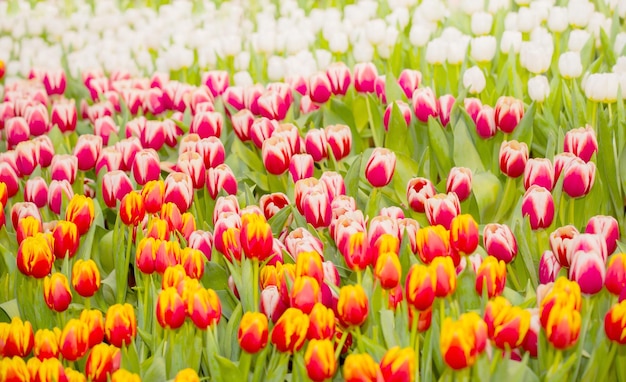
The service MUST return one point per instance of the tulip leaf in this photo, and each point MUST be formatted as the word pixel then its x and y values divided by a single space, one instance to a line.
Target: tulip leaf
pixel 396 137
pixel 440 147
pixel 485 190
pixel 9 310
pixel 524 130
pixel 153 369
pixel 465 153
pixel 352 177
pixel 130 358
pixel 393 91
pixel 375 120
pixel 387 324
pixel 248 156
pixel 229 342
pixel 426 367
pixel 359 111
pixel 279 220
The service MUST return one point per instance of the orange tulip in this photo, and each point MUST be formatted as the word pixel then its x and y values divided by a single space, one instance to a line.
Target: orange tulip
pixel 253 332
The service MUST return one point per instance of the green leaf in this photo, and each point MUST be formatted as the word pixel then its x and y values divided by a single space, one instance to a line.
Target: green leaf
pixel 352 177
pixel 9 310
pixel 393 91
pixel 279 220
pixel 396 137
pixel 228 369
pixel 485 189
pixel 375 120
pixel 465 153
pixel 387 324
pixel 154 369
pixel 440 147
pixel 524 130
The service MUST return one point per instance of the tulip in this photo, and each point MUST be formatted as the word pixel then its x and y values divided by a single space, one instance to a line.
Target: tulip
pixel 27 227
pixel 146 166
pixel 34 256
pixel 442 208
pixel 99 363
pixel 562 327
pixel 589 270
pixel 364 77
pixel 216 81
pixel 316 208
pixel 50 369
pixel 123 375
pixel 615 323
pixel 187 375
pixel 179 190
pixel 152 194
pixel 549 267
pixel 420 287
pixel 539 171
pixel 409 80
pixel 339 138
pixel 170 309
pixel 46 343
pixel 444 107
pixel 616 274
pixel 538 205
pixel 19 339
pixel 424 104
pixel 538 88
pixel 361 368
pixel 290 330
pixel 380 167
pixel 464 234
pixel 320 88
pixel 253 332
pixel 57 294
pixel 387 270
pixel 120 325
pixel 419 190
pixel 80 211
pixel 207 124
pixel 95 323
pixel 87 150
pixel 192 164
pixel 276 155
pixel 340 78
pixel 492 274
pixel 319 359
pixel 74 340
pixel 432 242
pixel 404 109
pixel 35 191
pixel 511 327
pixel 26 158
pixel 607 227
pixel 508 113
pixel 444 274
pixel 36 116
pixel 398 364
pixel 355 251
pixel 316 144
pixel 16 131
pixel 85 277
pixel 559 240
pixel 204 308
pixel 353 305
pixel 221 178
pixel 474 80
pixel 578 177
pixel 458 341
pixel 581 142
pixel 460 182
pixel 499 242
pixel 513 158
pixel 64 116
pixel 115 185
pixel 64 167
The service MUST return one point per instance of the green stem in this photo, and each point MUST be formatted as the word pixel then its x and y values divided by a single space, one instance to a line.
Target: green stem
pixel 245 360
pixel 357 332
pixel 342 342
pixel 513 277
pixel 414 332
pixel 505 203
pixel 123 268
pixel 255 283
pixel 359 277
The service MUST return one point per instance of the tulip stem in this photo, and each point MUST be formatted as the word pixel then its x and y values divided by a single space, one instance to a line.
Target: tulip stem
pixel 359 277
pixel 342 342
pixel 359 343
pixel 255 283
pixel 245 360
pixel 414 324
pixel 505 202
pixel 514 280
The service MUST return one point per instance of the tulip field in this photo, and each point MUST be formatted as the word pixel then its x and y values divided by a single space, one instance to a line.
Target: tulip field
pixel 358 190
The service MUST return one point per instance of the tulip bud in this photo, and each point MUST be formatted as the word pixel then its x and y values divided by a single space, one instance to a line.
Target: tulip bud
pixel 442 208
pixel 100 363
pixel 170 309
pixel 320 88
pixel 578 177
pixel 339 138
pixel 464 234
pixel 46 343
pixel 290 330
pixel 146 166
pixel 420 287
pixel 340 78
pixel 508 113
pixel 221 178
pixel 80 211
pixel 365 75
pixel 607 227
pixel 549 267
pixel 581 142
pixel 64 167
pixel 463 340
pixel 387 270
pixel 540 172
pixel 444 274
pixel 253 332
pixel 538 205
pixel 492 274
pixel 398 364
pixel 562 326
pixel 74 341
pixel 179 190
pixel 319 359
pixel 34 256
pixel 207 124
pixel 120 325
pixel 123 375
pixel 588 269
pixel 409 80
pixel 404 109
pixel 204 308
pixel 380 167
pixel 513 158
pixel 538 88
pixel 95 324
pixel 19 339
pixel 474 80
pixel 353 305
pixel 460 182
pixel 424 104
pixel 432 242
pixel 615 323
pixel 419 190
pixel 85 277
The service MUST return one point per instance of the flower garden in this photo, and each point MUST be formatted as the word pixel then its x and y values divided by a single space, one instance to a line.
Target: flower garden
pixel 296 190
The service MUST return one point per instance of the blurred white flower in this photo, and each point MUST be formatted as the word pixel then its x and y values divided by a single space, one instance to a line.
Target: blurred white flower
pixel 483 48
pixel 497 5
pixel 419 35
pixel 457 50
pixel 579 12
pixel 433 10
pixel 510 21
pixel 570 65
pixel 538 88
pixel 275 68
pixel 399 17
pixel 375 31
pixel 601 87
pixel 481 23
pixel 338 43
pixel 534 57
pixel 526 20
pixel 557 20
pixel 231 45
pixel 577 39
pixel 323 58
pixel 363 51
pixel 510 40
pixel 620 68
pixel 243 79
pixel 474 79
pixel 436 51
pixel 472 6
pixel 242 60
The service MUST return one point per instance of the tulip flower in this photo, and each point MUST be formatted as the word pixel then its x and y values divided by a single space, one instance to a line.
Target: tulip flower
pixel 99 363
pixel 276 154
pixel 290 330
pixel 404 109
pixel 444 274
pixel 339 138
pixel 321 322
pixel 19 338
pixel 387 270
pixel 361 368
pixel 380 167
pixel 187 375
pixel 353 305
pixel 364 77
pixel 123 375
pixel 589 270
pixel 607 227
pixel 36 191
pixel 95 323
pixel 419 190
pixel 120 324
pixel 64 167
pixel 615 280
pixel 581 142
pixel 513 157
pixel 398 364
pixel 46 343
pixel 538 205
pixel 87 150
pixel 615 323
pixel 578 177
pixel 424 104
pixel 57 294
pixel 35 257
pixel 319 359
pixel 221 178
pixel 540 172
pixel 442 208
pixel 74 340
pixel 420 287
pixel 460 182
pixel 170 309
pixel 464 234
pixel 463 340
pixel 499 242
pixel 409 80
pixel 549 267
pixel 492 274
pixel 432 242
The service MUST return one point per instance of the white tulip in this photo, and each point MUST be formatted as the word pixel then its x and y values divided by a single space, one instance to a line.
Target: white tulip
pixel 457 50
pixel 472 6
pixel 511 40
pixel 497 5
pixel 419 35
pixel 399 18
pixel 436 51
pixel 557 20
pixel 579 12
pixel 534 57
pixel 538 88
pixel 481 23
pixel 620 68
pixel 526 20
pixel 243 79
pixel 570 65
pixel 375 31
pixel 483 48
pixel 577 39
pixel 338 43
pixel 601 87
pixel 242 60
pixel 275 68
pixel 363 51
pixel 433 10
pixel 510 21
pixel 474 79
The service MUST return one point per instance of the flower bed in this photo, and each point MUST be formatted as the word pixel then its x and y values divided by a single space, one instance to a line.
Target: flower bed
pixel 364 191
